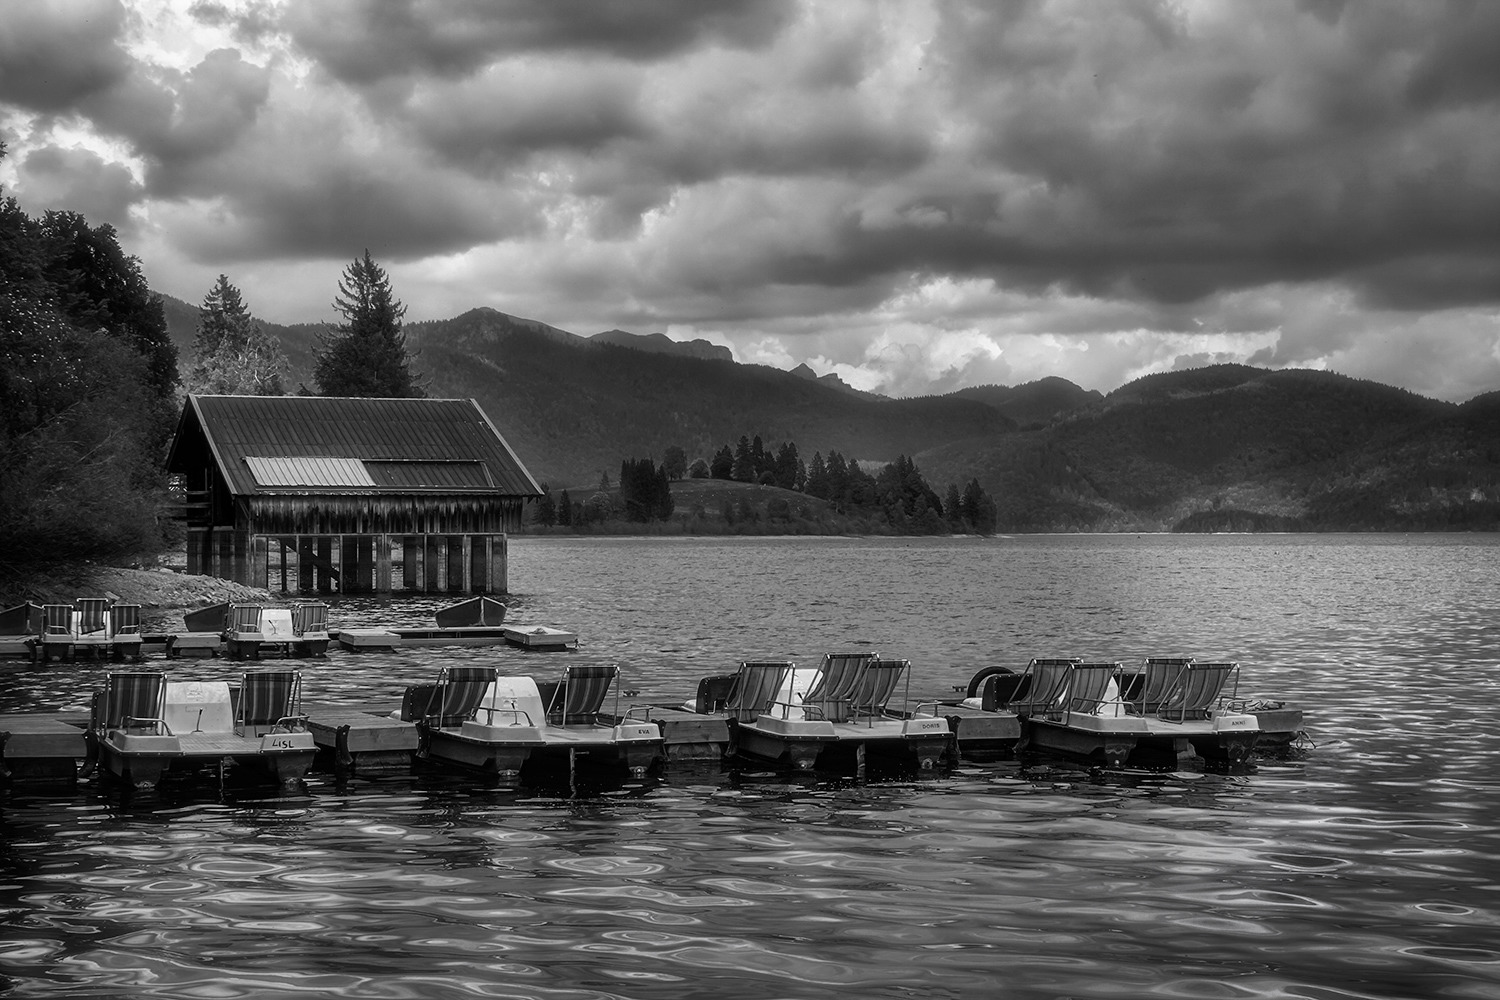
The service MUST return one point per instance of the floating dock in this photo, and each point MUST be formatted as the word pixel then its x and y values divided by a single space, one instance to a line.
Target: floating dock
pixel 540 637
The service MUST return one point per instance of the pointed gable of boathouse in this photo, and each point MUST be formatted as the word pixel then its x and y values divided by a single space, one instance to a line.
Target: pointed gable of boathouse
pixel 319 494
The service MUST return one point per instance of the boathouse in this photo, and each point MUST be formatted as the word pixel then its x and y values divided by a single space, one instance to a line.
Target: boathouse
pixel 309 494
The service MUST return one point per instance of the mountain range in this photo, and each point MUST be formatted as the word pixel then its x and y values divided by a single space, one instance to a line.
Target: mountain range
pixel 1224 448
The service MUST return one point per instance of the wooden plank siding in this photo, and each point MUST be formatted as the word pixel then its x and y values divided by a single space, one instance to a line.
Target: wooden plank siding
pixel 311 495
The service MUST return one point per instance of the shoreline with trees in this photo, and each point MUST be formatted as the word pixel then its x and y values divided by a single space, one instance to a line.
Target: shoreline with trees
pixel 750 490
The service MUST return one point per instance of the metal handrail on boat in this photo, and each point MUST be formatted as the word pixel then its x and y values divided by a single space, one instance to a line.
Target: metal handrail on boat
pixel 127 721
pixel 517 713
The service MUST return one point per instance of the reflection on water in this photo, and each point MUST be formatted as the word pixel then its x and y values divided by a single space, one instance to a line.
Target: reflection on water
pixel 1363 868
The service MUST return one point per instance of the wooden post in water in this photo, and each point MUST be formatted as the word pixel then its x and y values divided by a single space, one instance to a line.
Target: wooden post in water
pixel 324 564
pixel 435 564
pixel 382 564
pixel 304 565
pixel 411 561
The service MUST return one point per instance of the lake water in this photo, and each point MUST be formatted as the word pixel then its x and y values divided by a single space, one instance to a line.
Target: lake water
pixel 1367 865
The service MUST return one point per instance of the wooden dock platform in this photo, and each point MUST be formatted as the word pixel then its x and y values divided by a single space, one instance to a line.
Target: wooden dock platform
pixel 982 733
pixel 361 740
pixel 540 637
pixel 41 748
pixel 689 735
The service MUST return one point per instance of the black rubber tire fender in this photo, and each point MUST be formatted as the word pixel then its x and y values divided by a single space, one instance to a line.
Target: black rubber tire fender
pixel 977 681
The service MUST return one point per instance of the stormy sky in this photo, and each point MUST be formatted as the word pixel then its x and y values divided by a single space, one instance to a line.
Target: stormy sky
pixel 916 195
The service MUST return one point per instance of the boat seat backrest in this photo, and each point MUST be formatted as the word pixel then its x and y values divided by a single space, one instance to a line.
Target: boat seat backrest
pixel 244 618
pixel 125 619
pixel 58 619
pixel 267 697
pixel 755 688
pixel 197 706
pixel 1160 678
pixel 831 694
pixel 1087 685
pixel 130 699
pixel 1048 683
pixel 457 694
pixel 1201 687
pixel 876 685
pixel 580 693
pixel 511 701
pixel 309 618
pixel 92 615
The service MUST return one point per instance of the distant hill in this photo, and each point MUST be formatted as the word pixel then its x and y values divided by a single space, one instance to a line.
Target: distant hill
pixel 1036 402
pixel 660 343
pixel 1220 448
pixel 573 408
pixel 1302 449
pixel 832 381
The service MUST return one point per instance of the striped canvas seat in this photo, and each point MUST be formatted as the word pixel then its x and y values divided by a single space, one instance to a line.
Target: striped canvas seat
pixel 580 694
pixel 457 695
pixel 244 618
pixel 1045 683
pixel 755 688
pixel 1197 692
pixel 1161 676
pixel 125 619
pixel 309 618
pixel 57 619
pixel 1087 685
pixel 831 695
pixel 91 615
pixel 268 699
pixel 131 700
pixel 876 683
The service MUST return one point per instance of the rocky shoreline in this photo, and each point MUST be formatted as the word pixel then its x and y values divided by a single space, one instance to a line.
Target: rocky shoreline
pixel 150 588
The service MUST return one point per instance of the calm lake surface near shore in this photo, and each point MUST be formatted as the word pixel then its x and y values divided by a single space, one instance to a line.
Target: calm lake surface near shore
pixel 1365 865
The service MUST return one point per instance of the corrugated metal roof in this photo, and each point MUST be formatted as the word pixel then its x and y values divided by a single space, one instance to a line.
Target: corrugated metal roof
pixel 308 471
pixel 431 475
pixel 436 433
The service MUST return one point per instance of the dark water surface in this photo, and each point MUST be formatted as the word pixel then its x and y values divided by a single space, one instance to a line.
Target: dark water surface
pixel 1367 866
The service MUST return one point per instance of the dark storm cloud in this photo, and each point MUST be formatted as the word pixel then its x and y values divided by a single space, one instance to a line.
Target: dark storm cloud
pixel 80 181
pixel 1122 149
pixel 362 41
pixel 53 56
pixel 195 115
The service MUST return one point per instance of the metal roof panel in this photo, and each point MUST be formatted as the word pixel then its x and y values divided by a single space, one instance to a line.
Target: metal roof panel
pixel 428 432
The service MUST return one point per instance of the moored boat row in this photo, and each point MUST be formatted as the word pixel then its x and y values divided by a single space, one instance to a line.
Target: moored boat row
pixel 512 730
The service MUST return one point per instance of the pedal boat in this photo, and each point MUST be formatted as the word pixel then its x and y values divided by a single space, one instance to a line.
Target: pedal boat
pixel 513 730
pixel 256 630
pixel 146 728
pixel 1076 709
pixel 833 717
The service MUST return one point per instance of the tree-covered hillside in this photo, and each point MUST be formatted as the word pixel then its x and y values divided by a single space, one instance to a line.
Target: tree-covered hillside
pixel 1301 448
pixel 571 407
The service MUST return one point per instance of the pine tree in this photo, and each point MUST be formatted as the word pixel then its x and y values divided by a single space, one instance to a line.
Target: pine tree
pixel 232 353
pixel 546 510
pixel 744 462
pixel 723 464
pixel 366 354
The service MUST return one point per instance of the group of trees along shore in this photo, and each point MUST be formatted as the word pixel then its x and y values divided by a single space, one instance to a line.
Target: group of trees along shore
pixel 90 385
pixel 896 499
